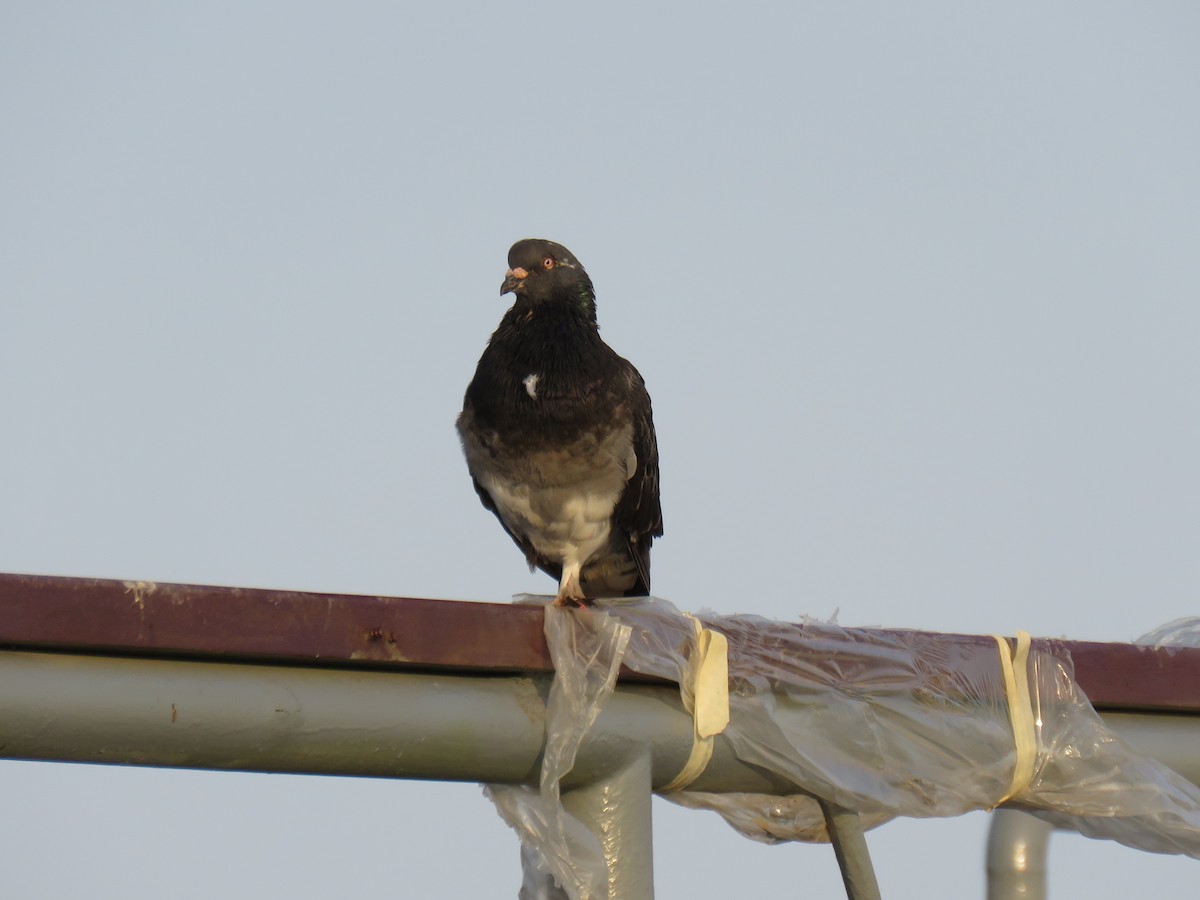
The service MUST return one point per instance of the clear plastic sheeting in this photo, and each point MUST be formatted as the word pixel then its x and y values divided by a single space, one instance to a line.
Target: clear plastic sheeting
pixel 1178 633
pixel 587 650
pixel 884 723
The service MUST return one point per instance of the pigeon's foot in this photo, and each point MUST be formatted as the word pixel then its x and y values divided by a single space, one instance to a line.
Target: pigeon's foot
pixel 574 602
pixel 570 591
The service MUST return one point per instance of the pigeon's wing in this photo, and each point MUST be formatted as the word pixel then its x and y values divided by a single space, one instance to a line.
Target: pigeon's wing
pixel 638 513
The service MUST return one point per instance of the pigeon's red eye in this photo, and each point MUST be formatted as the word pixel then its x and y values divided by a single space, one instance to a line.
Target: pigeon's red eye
pixel 548 262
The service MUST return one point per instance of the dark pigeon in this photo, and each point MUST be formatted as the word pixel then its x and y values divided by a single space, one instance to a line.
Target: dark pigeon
pixel 558 435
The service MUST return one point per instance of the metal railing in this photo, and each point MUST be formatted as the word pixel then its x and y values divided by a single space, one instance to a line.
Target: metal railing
pixel 277 681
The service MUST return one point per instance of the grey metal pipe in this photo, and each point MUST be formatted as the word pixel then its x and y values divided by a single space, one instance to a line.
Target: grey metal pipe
pixel 850 846
pixel 1018 843
pixel 1016 856
pixel 1171 739
pixel 616 809
pixel 141 711
pixel 75 708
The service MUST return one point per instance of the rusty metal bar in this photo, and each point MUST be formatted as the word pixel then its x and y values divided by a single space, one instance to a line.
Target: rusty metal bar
pixel 157 618
pixel 202 622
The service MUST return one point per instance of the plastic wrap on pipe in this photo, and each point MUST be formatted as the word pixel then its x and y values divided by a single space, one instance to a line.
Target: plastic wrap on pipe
pixel 587 648
pixel 883 723
pixel 1178 633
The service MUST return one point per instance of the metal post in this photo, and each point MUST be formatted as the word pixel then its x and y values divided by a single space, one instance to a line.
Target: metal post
pixel 850 847
pixel 617 810
pixel 1016 856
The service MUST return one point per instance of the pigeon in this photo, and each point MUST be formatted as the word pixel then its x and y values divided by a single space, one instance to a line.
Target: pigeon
pixel 558 436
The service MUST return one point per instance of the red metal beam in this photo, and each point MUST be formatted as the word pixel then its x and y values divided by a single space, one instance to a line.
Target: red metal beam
pixel 125 617
pixel 110 616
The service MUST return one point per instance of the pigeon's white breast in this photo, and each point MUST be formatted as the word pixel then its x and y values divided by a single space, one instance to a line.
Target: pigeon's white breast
pixel 561 499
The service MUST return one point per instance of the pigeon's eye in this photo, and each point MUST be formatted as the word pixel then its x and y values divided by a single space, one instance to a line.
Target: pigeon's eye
pixel 548 262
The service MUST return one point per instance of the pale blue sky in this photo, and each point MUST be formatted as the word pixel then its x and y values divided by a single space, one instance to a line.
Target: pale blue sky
pixel 914 289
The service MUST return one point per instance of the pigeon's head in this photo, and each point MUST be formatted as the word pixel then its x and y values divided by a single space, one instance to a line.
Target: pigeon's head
pixel 541 271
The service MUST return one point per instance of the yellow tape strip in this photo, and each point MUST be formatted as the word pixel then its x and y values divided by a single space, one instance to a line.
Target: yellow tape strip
pixel 707 701
pixel 1014 664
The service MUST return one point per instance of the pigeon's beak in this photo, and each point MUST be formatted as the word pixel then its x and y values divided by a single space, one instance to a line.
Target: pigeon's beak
pixel 513 279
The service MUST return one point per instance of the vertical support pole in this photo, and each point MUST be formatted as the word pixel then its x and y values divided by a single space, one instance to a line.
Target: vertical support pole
pixel 1016 856
pixel 617 810
pixel 850 847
